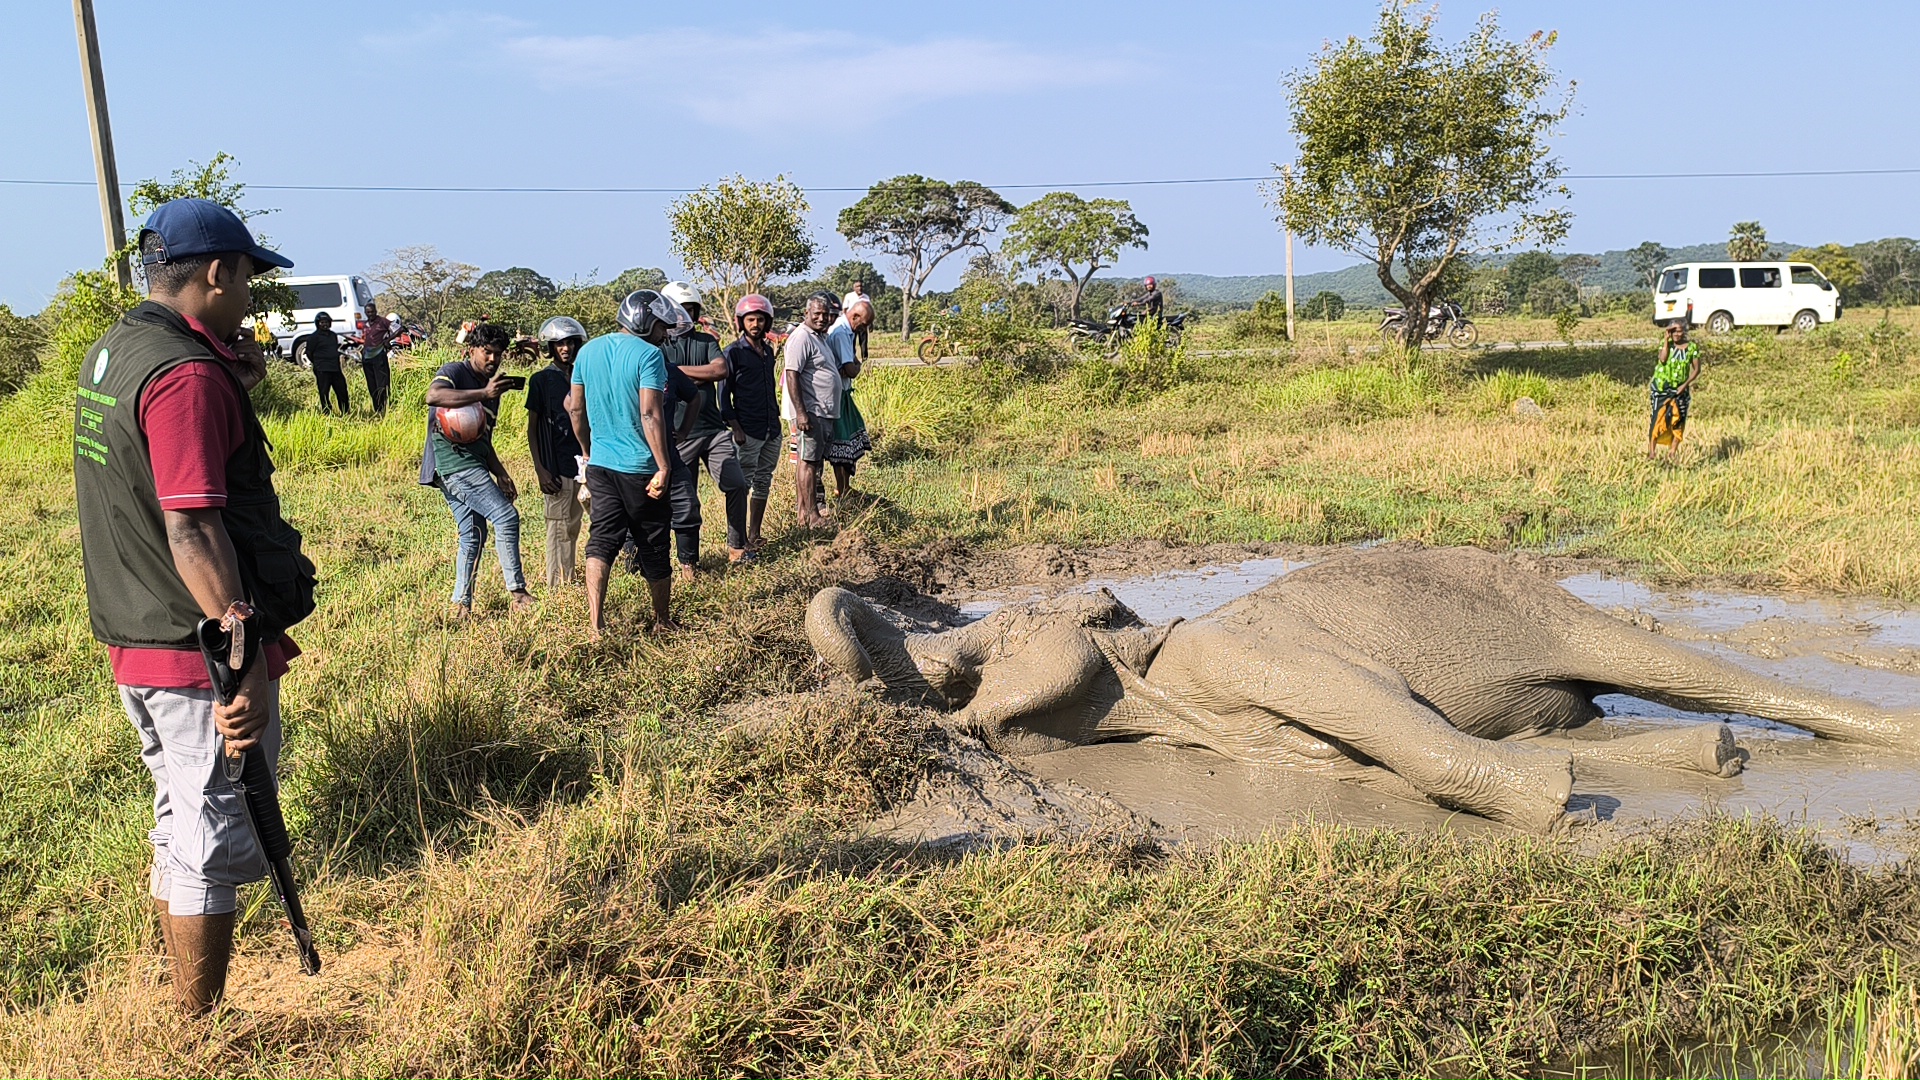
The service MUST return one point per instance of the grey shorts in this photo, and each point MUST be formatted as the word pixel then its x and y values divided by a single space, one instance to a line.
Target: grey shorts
pixel 202 844
pixel 813 442
pixel 758 459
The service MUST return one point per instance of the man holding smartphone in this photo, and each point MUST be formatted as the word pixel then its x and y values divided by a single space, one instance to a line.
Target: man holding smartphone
pixel 469 474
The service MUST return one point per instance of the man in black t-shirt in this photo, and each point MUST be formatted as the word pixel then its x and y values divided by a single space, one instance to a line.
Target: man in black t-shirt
pixel 322 350
pixel 470 476
pixel 704 439
pixel 555 448
pixel 750 405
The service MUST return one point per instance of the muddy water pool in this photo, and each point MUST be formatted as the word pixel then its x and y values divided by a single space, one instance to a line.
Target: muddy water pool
pixel 1863 801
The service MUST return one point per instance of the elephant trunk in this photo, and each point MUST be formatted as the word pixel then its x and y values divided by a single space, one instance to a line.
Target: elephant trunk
pixel 854 639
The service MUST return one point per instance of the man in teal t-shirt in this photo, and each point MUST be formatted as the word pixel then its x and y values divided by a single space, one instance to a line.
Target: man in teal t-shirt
pixel 618 406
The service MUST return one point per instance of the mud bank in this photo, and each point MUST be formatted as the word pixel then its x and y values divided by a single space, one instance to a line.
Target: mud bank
pixel 1864 802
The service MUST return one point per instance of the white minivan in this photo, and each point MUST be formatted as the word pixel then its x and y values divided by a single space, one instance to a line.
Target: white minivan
pixel 1724 295
pixel 343 296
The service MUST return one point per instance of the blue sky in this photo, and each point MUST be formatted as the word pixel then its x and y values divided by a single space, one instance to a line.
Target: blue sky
pixel 598 93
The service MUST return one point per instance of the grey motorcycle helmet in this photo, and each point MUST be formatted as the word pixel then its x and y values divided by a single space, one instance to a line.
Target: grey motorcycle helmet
pixel 643 308
pixel 559 328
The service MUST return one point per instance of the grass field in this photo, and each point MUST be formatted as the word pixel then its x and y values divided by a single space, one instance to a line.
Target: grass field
pixel 532 856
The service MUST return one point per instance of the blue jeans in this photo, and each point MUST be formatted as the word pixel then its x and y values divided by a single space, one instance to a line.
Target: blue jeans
pixel 475 500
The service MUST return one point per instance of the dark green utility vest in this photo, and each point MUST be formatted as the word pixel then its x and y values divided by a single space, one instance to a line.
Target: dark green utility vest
pixel 135 597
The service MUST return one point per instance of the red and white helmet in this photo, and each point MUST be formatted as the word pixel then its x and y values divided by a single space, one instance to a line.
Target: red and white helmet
pixel 1150 284
pixel 753 302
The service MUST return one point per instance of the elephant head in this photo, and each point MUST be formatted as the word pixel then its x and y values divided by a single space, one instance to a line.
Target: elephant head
pixel 861 644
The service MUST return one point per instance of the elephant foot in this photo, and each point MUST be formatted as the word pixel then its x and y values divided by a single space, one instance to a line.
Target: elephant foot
pixel 1530 789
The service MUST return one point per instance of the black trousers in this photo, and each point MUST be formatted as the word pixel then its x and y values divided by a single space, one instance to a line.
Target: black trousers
pixel 379 380
pixel 336 381
pixel 622 512
pixel 717 452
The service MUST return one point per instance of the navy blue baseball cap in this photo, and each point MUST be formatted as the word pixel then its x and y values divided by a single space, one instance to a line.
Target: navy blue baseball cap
pixel 188 227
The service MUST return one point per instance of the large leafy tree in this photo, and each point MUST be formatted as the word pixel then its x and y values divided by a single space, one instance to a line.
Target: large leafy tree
pixel 920 222
pixel 1412 152
pixel 212 180
pixel 735 236
pixel 1647 260
pixel 1747 242
pixel 422 284
pixel 1526 269
pixel 1060 232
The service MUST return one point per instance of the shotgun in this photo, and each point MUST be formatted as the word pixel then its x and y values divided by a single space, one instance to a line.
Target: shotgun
pixel 250 773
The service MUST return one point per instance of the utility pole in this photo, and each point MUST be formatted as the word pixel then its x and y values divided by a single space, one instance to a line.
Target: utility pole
pixel 104 170
pixel 1286 178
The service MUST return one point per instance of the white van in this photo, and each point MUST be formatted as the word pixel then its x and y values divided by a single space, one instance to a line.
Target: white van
pixel 1724 295
pixel 343 296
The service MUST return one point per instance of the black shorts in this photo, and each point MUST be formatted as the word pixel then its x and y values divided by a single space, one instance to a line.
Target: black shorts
pixel 622 508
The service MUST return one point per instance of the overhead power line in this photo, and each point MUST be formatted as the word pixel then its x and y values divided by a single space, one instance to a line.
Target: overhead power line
pixel 548 190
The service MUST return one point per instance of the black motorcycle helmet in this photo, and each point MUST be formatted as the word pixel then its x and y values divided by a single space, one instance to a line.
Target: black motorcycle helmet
pixel 644 309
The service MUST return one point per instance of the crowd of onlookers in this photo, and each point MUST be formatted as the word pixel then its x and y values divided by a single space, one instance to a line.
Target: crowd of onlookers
pixel 620 425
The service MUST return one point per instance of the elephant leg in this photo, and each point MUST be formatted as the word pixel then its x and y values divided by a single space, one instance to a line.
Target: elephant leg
pixel 1702 748
pixel 1252 684
pixel 1046 696
pixel 1624 659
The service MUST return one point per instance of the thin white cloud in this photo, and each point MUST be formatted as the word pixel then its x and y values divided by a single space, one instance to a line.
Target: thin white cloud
pixel 798 76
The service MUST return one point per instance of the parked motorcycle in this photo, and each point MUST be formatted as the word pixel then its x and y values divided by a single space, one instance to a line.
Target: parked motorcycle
pixel 1120 325
pixel 1444 320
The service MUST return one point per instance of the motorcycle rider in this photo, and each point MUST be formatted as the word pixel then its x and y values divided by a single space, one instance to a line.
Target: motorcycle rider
pixel 703 439
pixel 555 449
pixel 1150 300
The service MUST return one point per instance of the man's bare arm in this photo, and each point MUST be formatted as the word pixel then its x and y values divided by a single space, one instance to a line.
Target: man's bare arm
pixel 653 422
pixel 203 556
pixel 577 412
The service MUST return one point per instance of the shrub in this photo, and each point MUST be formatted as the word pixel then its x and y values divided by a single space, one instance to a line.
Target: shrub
pixel 1549 296
pixel 21 340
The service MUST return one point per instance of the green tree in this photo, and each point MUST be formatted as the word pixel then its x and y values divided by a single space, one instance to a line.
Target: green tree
pixel 1890 270
pixel 1647 260
pixel 1527 268
pixel 735 236
pixel 1062 232
pixel 1325 306
pixel 212 180
pixel 1575 268
pixel 634 278
pixel 1747 242
pixel 20 342
pixel 920 222
pixel 1412 152
pixel 1552 295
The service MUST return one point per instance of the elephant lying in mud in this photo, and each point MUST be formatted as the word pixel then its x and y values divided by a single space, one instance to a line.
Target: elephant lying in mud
pixel 1463 677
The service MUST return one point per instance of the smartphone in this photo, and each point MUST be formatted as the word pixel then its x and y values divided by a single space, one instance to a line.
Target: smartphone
pixel 515 382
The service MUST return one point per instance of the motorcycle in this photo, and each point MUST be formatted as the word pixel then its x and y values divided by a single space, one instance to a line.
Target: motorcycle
pixel 1444 319
pixel 1120 325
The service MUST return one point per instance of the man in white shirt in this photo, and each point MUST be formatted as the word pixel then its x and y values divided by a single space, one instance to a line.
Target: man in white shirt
pixel 859 296
pixel 811 378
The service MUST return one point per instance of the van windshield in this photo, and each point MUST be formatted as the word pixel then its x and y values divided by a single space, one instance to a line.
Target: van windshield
pixel 1674 280
pixel 325 294
pixel 1716 277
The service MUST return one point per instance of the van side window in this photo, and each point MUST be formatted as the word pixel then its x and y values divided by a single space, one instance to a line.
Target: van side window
pixel 325 294
pixel 1759 277
pixel 1716 277
pixel 1674 280
pixel 1807 275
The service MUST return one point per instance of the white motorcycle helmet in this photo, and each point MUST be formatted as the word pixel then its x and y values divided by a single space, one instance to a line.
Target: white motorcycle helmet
pixel 681 293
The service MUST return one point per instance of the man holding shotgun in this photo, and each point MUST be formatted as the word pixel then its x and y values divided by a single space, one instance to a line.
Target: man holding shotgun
pixel 179 523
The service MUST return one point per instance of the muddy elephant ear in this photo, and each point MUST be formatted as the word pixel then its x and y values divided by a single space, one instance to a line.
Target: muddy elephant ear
pixel 856 641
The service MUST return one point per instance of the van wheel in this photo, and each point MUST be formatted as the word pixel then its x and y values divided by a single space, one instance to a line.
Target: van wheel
pixel 1720 322
pixel 1806 321
pixel 300 357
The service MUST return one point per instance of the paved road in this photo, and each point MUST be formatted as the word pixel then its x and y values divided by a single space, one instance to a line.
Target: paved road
pixel 1498 346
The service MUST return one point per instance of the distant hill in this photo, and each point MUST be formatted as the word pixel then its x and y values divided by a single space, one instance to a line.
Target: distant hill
pixel 1359 287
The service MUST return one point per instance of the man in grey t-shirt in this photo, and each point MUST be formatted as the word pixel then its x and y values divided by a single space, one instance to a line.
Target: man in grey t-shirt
pixel 812 379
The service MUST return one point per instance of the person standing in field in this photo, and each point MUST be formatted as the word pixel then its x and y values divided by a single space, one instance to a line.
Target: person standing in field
pixel 749 405
pixel 555 448
pixel 704 438
pixel 179 522
pixel 813 386
pixel 1150 301
pixel 850 442
pixel 475 484
pixel 1671 391
pixel 374 342
pixel 322 350
pixel 618 406
pixel 858 295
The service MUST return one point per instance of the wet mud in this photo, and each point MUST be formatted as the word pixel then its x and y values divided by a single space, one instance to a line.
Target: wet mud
pixel 1863 801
